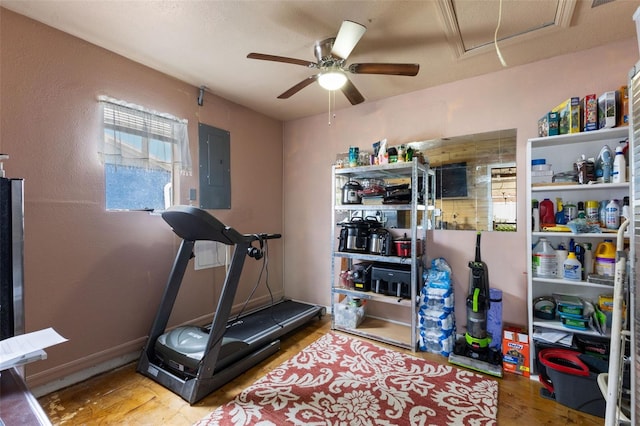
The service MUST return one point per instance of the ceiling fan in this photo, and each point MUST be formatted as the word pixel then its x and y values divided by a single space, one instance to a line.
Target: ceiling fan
pixel 331 55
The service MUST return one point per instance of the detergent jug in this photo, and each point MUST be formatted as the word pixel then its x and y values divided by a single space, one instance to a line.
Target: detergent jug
pixel 547 215
pixel 605 258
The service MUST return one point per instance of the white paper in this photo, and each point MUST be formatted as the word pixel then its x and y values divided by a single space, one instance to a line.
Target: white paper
pixel 19 349
pixel 209 254
pixel 552 336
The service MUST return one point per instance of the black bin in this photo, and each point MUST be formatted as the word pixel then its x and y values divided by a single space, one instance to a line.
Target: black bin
pixel 570 378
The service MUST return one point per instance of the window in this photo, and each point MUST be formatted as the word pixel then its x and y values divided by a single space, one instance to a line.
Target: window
pixel 143 153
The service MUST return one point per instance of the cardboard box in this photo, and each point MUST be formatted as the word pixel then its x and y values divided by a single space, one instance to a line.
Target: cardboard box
pixel 516 353
pixel 589 110
pixel 569 112
pixel 548 124
pixel 607 110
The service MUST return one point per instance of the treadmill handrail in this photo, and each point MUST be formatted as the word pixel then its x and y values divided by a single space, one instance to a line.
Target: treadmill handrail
pixel 194 224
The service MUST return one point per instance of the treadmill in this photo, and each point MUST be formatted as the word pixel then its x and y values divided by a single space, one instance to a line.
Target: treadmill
pixel 194 361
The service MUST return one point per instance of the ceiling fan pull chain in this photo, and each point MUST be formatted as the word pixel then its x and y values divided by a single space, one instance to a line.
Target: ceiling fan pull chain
pixel 329 92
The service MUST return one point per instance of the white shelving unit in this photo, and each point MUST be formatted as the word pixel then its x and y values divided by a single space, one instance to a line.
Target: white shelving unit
pixel 400 326
pixel 562 151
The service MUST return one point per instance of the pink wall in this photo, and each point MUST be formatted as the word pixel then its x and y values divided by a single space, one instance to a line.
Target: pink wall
pixel 512 98
pixel 97 276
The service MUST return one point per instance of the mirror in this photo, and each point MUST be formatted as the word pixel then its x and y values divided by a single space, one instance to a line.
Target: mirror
pixel 475 180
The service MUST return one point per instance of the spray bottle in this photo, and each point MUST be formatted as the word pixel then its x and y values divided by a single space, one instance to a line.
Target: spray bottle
pixel 560 219
pixel 619 167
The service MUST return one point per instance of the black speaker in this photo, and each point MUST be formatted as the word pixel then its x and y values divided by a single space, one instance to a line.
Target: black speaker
pixel 255 252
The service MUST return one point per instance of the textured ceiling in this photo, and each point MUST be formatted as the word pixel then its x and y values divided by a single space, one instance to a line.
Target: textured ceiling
pixel 205 43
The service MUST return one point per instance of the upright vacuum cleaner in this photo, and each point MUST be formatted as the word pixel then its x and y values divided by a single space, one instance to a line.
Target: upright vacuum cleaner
pixel 472 350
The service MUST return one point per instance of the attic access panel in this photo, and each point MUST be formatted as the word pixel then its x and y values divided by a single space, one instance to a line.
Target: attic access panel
pixel 215 167
pixel 470 25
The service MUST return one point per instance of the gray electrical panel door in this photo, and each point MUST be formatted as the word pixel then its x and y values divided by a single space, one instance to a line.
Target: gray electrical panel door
pixel 215 167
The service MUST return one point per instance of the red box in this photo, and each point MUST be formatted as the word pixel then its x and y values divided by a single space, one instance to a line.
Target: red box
pixel 589 109
pixel 516 353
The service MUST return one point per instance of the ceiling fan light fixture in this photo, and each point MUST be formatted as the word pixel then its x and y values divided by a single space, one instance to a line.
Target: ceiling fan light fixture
pixel 332 80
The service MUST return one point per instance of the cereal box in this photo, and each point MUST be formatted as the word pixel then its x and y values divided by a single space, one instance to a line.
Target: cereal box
pixel 589 110
pixel 569 112
pixel 607 111
pixel 515 351
pixel 548 124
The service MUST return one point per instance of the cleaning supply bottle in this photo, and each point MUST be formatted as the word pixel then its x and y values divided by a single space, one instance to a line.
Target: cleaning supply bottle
pixel 604 164
pixel 544 259
pixel 587 266
pixel 560 218
pixel 561 255
pixel 625 214
pixel 619 174
pixel 579 251
pixel 572 268
pixel 612 215
pixel 602 213
pixel 535 216
pixel 592 212
pixel 547 216
pixel 570 212
pixel 605 258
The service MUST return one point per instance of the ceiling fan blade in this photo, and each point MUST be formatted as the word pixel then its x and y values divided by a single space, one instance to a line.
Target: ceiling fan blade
pixel 387 69
pixel 295 89
pixel 284 59
pixel 352 94
pixel 348 36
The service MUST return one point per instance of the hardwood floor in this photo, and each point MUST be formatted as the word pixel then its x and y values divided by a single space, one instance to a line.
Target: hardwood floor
pixel 124 397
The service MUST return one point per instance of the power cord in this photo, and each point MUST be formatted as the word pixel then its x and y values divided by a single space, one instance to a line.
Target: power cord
pixel 236 320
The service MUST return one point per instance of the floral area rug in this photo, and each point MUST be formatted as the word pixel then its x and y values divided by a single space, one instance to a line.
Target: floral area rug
pixel 339 380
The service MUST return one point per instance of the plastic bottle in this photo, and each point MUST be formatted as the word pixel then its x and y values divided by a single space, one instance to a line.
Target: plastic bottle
pixel 623 117
pixel 401 154
pixel 605 163
pixel 579 251
pixel 544 260
pixel 602 213
pixel 592 213
pixel 612 215
pixel 619 174
pixel 605 258
pixel 561 256
pixel 560 218
pixel 572 268
pixel 570 212
pixel 535 216
pixel 625 214
pixel 588 260
pixel 547 216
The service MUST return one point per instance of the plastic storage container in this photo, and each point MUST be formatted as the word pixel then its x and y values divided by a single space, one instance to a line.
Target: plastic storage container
pixel 348 314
